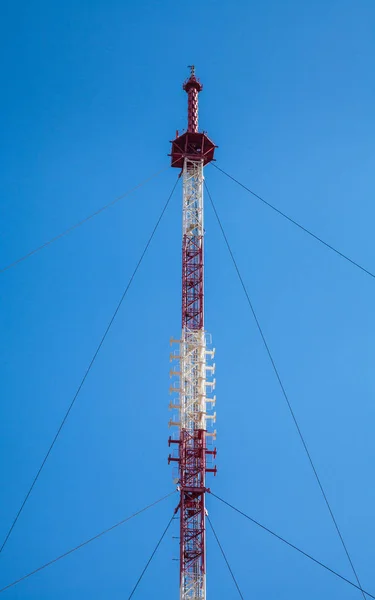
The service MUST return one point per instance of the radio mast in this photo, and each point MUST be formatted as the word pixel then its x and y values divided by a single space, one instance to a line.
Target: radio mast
pixel 193 402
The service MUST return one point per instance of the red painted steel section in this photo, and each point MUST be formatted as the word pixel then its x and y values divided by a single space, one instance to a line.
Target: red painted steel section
pixel 192 505
pixel 192 460
pixel 192 87
pixel 192 143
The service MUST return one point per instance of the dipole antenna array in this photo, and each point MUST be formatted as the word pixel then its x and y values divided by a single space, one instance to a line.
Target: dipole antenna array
pixel 193 384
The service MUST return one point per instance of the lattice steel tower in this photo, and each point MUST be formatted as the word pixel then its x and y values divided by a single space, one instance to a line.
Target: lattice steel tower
pixel 193 385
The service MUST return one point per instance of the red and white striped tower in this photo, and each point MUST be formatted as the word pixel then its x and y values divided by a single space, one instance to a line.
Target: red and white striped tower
pixel 193 386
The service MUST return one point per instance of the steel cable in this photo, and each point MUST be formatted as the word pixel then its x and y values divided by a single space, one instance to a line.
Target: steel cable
pixel 152 556
pixel 225 558
pixel 282 214
pixel 279 537
pixel 283 390
pixel 76 225
pixel 51 562
pixel 89 367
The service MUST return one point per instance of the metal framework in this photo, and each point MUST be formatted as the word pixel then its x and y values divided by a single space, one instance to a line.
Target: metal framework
pixel 193 402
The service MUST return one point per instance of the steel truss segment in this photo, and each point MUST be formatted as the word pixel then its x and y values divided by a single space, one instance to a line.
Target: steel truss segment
pixel 193 380
pixel 192 514
pixel 192 210
pixel 192 245
pixel 192 389
pixel 193 383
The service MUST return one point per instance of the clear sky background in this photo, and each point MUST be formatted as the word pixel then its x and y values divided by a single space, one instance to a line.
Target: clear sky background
pixel 90 97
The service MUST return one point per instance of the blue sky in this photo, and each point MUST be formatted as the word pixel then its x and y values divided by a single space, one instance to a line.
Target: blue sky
pixel 91 95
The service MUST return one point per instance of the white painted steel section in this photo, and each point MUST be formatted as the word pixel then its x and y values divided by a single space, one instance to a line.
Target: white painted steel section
pixel 193 385
pixel 193 380
pixel 192 200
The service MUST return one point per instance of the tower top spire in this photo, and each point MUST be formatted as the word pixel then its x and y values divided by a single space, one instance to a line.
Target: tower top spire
pixel 192 87
pixel 192 143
